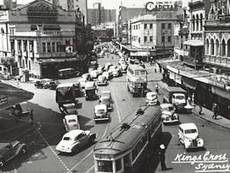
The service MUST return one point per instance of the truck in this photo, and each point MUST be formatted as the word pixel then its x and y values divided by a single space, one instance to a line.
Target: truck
pixel 176 96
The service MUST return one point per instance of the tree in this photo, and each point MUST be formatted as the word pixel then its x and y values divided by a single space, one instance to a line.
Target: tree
pixel 9 62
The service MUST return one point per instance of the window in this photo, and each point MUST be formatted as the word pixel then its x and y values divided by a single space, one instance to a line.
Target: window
pixel 145 26
pixel 145 38
pixel 48 47
pixel 162 26
pixel 150 25
pixel 44 47
pixel 31 45
pixel 151 38
pixel 58 46
pixel 169 26
pixel 169 39
pixel 53 46
pixel 24 45
pixel 163 39
pixel 105 166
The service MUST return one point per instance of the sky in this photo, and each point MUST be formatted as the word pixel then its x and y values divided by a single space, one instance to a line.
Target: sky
pixel 110 4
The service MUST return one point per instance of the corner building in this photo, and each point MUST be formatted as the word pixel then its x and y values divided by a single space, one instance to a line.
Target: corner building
pixel 41 37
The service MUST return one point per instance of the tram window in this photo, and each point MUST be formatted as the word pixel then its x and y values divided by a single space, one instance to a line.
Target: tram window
pixel 105 166
pixel 118 164
pixel 127 160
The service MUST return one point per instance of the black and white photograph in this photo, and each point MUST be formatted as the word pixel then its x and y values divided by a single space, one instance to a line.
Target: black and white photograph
pixel 114 86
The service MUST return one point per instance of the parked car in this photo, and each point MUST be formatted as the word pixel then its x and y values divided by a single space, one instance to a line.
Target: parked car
pixel 106 99
pixel 40 83
pixel 71 122
pixel 84 78
pixel 90 90
pixel 189 136
pixel 8 151
pixel 169 114
pixel 107 66
pixel 151 98
pixel 75 140
pixel 116 72
pixel 50 85
pixel 101 113
pixel 102 81
pixel 94 74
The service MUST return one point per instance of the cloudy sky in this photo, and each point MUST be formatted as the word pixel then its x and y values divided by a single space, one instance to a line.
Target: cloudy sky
pixel 110 3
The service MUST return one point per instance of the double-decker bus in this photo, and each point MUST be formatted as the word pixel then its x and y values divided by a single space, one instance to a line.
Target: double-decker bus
pixel 127 147
pixel 137 80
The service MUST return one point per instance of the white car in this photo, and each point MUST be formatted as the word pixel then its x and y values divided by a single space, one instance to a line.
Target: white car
pixel 151 98
pixel 71 122
pixel 189 136
pixel 116 72
pixel 169 115
pixel 107 74
pixel 105 98
pixel 75 140
pixel 94 74
pixel 100 113
pixel 102 80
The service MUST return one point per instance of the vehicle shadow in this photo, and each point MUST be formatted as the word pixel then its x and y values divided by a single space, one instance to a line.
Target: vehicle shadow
pixel 83 122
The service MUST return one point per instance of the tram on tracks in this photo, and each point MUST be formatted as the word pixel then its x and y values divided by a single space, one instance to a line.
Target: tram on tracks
pixel 126 149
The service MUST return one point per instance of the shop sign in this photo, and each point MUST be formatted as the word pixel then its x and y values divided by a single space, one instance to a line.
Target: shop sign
pixel 160 5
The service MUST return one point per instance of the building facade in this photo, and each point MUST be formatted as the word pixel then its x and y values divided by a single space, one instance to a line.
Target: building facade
pixel 40 37
pixel 217 37
pixel 195 45
pixel 154 34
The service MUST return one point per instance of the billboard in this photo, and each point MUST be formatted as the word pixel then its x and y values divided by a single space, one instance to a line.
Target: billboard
pixel 161 5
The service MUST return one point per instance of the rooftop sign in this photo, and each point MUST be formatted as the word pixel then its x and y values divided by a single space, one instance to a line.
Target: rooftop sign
pixel 160 5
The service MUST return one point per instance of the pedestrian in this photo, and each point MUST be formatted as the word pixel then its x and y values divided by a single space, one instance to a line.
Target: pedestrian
pixel 214 110
pixel 200 109
pixel 161 155
pixel 157 88
pixel 18 110
pixel 32 116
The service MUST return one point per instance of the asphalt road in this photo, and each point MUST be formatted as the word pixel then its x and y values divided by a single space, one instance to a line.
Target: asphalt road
pixel 42 157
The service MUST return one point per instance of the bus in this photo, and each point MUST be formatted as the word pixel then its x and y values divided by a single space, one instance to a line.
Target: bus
pixel 137 80
pixel 127 148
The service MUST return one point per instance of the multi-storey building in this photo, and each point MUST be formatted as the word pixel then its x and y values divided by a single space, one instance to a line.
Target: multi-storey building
pixel 99 15
pixel 195 45
pixel 40 37
pixel 217 36
pixel 153 34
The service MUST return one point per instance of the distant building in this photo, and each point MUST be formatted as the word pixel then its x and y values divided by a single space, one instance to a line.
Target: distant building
pixel 99 15
pixel 40 37
pixel 104 32
pixel 73 5
pixel 152 35
pixel 7 4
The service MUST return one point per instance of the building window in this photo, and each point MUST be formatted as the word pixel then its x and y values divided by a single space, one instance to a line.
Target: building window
pixel 145 26
pixel 169 26
pixel 31 45
pixel 145 38
pixel 163 39
pixel 151 38
pixel 58 46
pixel 24 45
pixel 162 26
pixel 48 47
pixel 44 47
pixel 150 26
pixel 53 46
pixel 169 39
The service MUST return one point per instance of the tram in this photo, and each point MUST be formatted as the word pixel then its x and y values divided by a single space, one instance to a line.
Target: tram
pixel 126 149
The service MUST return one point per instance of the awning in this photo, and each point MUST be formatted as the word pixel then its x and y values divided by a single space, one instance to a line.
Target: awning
pixel 56 60
pixel 10 95
pixel 194 43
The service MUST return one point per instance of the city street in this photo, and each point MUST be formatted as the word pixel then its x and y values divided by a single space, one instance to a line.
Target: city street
pixel 42 157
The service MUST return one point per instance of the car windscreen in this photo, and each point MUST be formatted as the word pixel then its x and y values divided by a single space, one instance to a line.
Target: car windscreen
pixel 66 138
pixel 189 131
pixel 180 97
pixel 64 94
pixel 72 121
pixel 100 111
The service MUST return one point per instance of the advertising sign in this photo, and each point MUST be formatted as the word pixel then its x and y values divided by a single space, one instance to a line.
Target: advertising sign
pixel 160 5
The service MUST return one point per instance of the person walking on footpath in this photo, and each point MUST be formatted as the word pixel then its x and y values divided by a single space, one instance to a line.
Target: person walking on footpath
pixel 200 109
pixel 214 110
pixel 157 88
pixel 32 116
pixel 162 157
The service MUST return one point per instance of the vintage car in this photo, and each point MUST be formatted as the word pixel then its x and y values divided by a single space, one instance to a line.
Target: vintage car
pixel 10 150
pixel 105 98
pixel 169 114
pixel 151 98
pixel 102 81
pixel 51 85
pixel 84 78
pixel 189 136
pixel 71 122
pixel 94 74
pixel 101 113
pixel 43 83
pixel 108 75
pixel 90 90
pixel 107 66
pixel 116 72
pixel 75 140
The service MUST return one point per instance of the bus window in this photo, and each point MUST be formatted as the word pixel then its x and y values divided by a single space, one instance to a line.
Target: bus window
pixel 104 166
